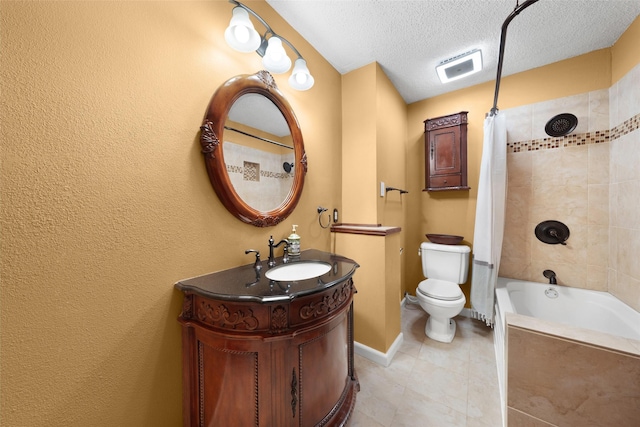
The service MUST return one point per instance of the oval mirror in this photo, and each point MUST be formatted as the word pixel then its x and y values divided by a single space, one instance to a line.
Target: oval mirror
pixel 253 150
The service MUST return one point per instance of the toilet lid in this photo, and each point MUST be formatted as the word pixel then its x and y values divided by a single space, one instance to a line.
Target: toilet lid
pixel 440 289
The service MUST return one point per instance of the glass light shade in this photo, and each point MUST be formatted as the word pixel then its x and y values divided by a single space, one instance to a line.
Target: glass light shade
pixel 240 34
pixel 458 67
pixel 301 78
pixel 275 59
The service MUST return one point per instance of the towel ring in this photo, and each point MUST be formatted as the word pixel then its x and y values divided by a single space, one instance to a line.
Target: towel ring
pixel 320 211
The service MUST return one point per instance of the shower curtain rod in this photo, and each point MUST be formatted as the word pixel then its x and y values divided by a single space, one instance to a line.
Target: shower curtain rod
pixel 259 137
pixel 503 36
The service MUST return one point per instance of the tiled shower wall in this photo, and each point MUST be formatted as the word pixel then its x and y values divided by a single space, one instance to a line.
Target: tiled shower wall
pixel 624 189
pixel 589 180
pixel 258 176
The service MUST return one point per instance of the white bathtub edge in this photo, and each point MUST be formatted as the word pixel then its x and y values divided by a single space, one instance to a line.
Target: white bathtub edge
pixel 587 336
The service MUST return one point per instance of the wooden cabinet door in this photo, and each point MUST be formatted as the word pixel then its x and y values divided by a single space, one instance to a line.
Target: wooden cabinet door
pixel 444 147
pixel 446 153
pixel 323 372
pixel 229 377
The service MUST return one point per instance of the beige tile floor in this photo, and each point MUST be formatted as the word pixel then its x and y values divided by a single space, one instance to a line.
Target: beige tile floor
pixel 431 384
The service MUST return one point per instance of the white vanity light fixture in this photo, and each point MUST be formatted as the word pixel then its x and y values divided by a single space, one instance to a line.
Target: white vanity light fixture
pixel 241 36
pixel 460 66
pixel 275 59
pixel 301 78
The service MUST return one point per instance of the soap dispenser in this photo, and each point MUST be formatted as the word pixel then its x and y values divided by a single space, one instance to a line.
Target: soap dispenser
pixel 294 242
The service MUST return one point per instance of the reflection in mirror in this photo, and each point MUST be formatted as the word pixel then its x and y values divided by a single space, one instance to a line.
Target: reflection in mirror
pixel 253 150
pixel 257 145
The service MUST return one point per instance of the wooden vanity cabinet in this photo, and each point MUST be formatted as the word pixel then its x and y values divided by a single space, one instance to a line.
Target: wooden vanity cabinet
pixel 282 363
pixel 446 152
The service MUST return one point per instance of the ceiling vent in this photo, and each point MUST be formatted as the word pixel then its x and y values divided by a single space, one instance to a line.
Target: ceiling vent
pixel 460 66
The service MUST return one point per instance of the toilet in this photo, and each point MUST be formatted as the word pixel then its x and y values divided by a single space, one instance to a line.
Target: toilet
pixel 446 267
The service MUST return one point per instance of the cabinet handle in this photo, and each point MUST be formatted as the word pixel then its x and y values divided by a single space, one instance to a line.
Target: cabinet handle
pixel 432 148
pixel 294 392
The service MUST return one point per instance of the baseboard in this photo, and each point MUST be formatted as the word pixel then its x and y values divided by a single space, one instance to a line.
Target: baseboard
pixel 376 356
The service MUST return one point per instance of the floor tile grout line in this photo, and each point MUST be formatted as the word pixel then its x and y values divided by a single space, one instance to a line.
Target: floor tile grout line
pixel 470 338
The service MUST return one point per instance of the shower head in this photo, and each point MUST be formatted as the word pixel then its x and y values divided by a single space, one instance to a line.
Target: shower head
pixel 561 125
pixel 287 167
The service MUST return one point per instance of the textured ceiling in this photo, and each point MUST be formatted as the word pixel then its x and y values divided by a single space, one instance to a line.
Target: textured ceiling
pixel 409 38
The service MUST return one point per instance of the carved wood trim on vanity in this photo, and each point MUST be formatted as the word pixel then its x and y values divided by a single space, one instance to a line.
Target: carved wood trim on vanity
pixel 274 318
pixel 327 303
pixel 220 315
pixel 294 392
pixel 229 315
pixel 187 307
pixel 283 361
pixel 279 318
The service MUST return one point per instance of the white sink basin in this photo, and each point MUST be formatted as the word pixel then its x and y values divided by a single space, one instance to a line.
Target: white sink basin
pixel 301 270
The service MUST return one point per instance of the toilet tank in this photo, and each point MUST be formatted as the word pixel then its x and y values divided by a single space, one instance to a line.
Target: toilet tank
pixel 445 262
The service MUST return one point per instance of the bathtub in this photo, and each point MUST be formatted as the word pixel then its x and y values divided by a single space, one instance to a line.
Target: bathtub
pixel 594 319
pixel 580 308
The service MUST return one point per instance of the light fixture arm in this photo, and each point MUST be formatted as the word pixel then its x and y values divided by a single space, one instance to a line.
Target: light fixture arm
pixel 269 30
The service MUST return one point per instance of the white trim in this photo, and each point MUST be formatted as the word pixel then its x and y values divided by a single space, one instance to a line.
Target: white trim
pixel 376 356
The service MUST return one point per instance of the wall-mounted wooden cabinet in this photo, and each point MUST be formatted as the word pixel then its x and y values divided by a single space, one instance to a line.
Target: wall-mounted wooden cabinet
pixel 445 141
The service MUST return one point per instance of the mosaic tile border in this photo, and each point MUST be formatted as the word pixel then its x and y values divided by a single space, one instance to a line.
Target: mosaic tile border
pixel 597 137
pixel 234 169
pixel 263 173
pixel 277 175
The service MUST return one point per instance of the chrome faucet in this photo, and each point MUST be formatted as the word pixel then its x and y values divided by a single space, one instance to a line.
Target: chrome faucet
pixel 285 258
pixel 551 275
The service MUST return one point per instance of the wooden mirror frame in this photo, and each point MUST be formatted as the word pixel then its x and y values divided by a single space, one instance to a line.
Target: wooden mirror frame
pixel 212 137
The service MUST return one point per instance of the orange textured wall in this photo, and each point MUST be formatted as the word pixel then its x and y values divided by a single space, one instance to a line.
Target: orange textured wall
pixel 625 53
pixel 106 202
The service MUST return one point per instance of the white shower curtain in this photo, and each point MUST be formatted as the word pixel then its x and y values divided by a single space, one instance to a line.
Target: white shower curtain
pixel 490 212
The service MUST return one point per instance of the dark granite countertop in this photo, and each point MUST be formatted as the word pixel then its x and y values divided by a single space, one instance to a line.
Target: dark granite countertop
pixel 245 283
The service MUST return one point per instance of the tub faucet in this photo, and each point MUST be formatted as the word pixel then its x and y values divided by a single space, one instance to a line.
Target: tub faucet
pixel 285 258
pixel 551 275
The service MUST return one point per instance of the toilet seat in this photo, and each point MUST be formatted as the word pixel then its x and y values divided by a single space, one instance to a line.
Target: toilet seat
pixel 440 290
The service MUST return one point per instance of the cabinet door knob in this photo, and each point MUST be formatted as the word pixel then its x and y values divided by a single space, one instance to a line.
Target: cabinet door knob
pixel 432 148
